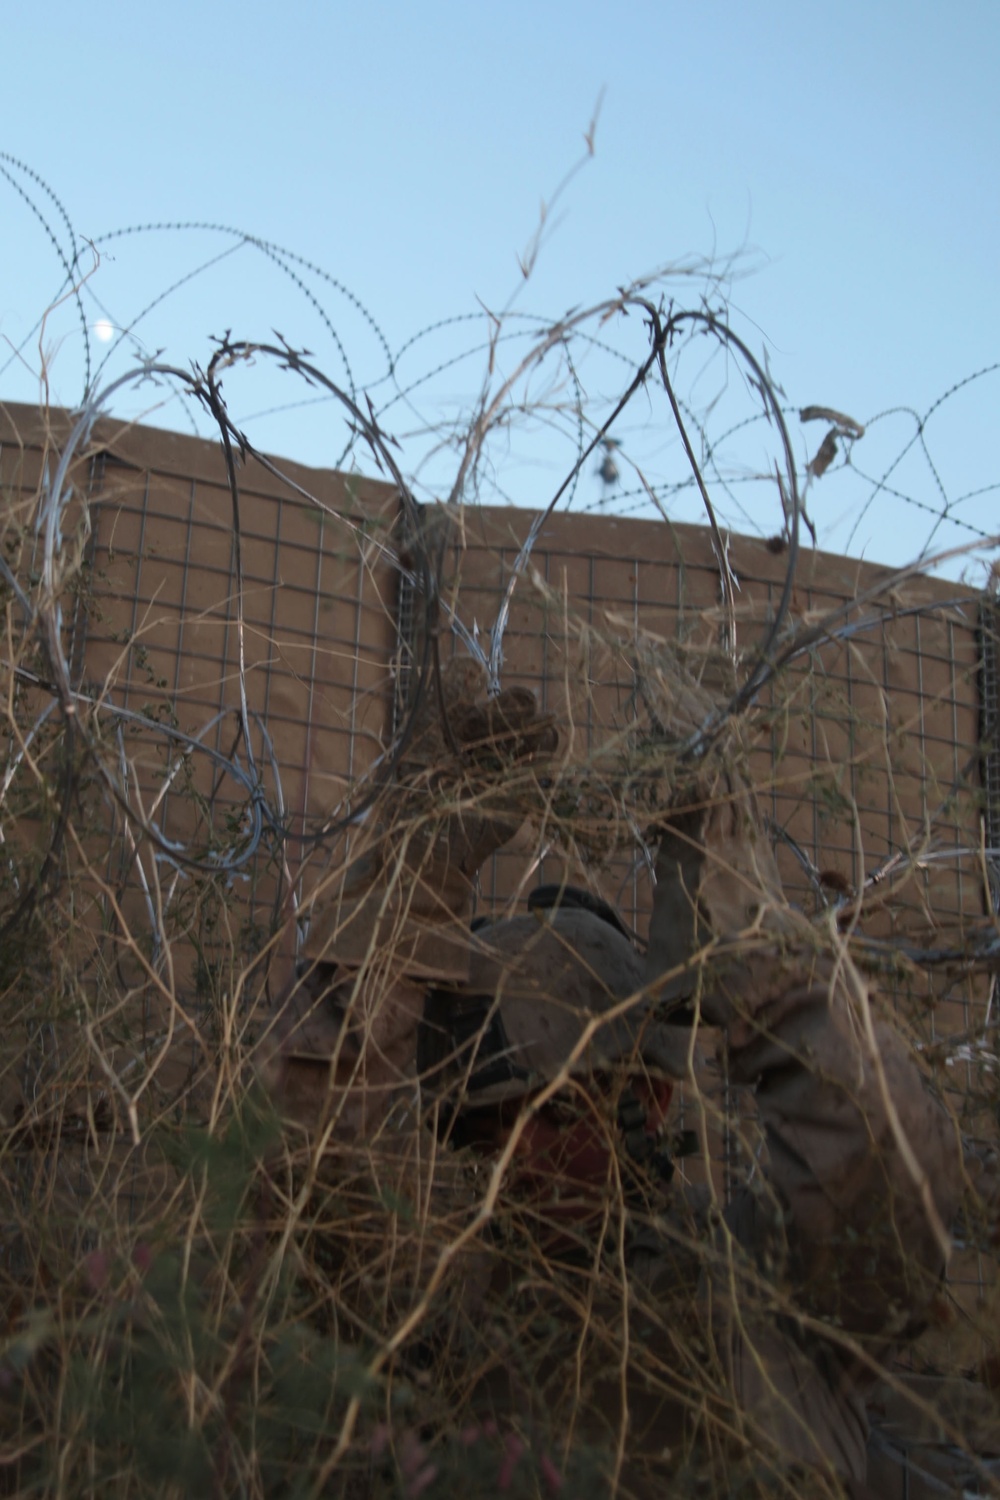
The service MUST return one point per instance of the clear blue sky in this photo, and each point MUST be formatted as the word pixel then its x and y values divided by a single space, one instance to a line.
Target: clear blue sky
pixel 850 150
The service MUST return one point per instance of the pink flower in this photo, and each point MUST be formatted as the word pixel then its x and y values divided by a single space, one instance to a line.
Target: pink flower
pixel 379 1439
pixel 97 1269
pixel 420 1481
pixel 550 1474
pixel 479 1430
pixel 411 1453
pixel 513 1449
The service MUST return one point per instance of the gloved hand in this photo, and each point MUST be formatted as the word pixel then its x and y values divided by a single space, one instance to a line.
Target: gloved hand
pixel 405 902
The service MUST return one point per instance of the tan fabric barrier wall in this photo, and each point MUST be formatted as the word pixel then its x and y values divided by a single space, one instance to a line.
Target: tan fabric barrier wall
pixel 866 751
pixel 884 723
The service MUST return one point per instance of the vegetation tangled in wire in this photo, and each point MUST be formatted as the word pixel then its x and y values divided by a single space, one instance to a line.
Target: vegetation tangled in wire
pixel 204 1299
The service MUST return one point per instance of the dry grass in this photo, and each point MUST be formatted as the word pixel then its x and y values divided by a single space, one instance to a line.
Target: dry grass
pixel 202 1298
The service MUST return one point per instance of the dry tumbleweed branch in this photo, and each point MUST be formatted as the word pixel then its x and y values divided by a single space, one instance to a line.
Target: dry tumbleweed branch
pixel 509 1009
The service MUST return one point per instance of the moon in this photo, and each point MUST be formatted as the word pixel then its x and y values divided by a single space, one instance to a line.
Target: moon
pixel 104 330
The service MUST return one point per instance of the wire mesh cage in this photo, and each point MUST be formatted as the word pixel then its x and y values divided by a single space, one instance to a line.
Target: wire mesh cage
pixel 209 687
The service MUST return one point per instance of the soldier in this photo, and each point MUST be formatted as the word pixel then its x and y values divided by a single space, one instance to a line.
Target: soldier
pixel 549 1044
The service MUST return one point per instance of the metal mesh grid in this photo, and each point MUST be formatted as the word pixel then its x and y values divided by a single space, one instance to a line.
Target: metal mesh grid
pixel 318 629
pixel 181 662
pixel 867 747
pixel 865 752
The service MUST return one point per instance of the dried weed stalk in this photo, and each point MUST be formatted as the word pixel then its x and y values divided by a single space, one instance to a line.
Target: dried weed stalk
pixel 203 1298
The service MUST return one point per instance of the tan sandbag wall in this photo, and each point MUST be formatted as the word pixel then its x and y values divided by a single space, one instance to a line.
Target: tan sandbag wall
pixel 865 750
pixel 151 629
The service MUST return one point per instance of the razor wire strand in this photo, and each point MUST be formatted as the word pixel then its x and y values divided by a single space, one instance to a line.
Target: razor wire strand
pixel 206 391
pixel 286 260
pixel 573 328
pixel 8 166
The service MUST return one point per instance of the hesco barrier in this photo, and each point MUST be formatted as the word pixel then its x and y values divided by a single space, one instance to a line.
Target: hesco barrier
pixel 867 749
pixel 198 691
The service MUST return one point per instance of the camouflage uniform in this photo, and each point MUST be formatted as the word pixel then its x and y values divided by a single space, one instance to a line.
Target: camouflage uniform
pixel 815 1271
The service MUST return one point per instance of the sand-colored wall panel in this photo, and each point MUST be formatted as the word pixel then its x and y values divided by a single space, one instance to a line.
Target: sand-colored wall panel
pixel 863 749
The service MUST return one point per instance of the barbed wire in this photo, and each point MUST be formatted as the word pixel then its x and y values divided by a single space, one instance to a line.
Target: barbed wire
pixel 506 400
pixel 533 436
pixel 587 398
